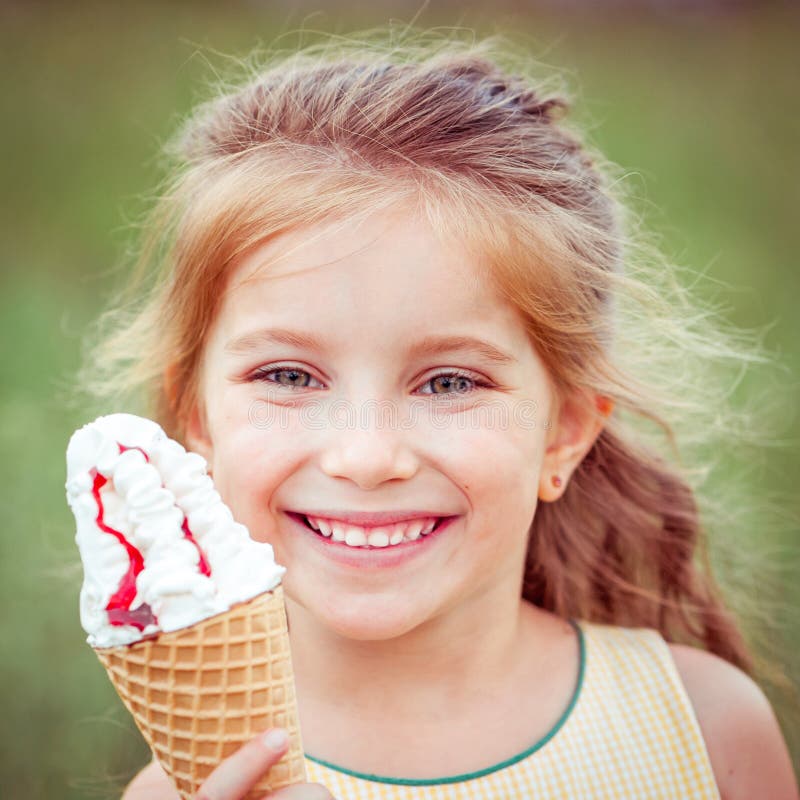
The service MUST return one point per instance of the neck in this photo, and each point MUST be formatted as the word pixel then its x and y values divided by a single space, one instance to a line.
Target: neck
pixel 444 666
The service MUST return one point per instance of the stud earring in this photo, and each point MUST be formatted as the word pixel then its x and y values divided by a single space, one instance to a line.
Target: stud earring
pixel 556 481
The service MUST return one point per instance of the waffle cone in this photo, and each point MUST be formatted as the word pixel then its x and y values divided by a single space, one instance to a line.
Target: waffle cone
pixel 199 693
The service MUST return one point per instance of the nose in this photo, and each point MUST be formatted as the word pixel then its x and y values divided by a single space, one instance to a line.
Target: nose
pixel 369 456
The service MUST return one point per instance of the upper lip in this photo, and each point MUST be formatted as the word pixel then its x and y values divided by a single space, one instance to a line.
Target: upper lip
pixel 370 518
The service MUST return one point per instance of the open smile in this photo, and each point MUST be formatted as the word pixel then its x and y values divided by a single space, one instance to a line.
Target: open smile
pixel 362 546
pixel 371 536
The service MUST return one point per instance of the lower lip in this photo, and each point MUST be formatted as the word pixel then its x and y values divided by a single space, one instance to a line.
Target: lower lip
pixel 363 557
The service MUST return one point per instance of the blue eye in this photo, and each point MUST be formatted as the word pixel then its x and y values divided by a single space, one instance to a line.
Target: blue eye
pixel 290 377
pixel 454 383
pixel 458 383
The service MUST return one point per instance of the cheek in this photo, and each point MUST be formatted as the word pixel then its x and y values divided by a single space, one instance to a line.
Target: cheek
pixel 250 432
pixel 498 470
pixel 251 461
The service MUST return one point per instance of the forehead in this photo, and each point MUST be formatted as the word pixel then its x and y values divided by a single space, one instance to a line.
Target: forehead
pixel 384 274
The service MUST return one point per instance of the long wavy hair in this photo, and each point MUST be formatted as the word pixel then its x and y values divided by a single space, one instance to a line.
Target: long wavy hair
pixel 467 133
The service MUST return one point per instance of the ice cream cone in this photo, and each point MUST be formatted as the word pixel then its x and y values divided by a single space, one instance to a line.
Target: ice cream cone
pixel 199 693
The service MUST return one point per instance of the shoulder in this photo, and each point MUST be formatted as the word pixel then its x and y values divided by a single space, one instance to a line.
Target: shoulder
pixel 151 783
pixel 747 751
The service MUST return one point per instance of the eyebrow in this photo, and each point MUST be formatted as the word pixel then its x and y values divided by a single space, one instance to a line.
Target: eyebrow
pixel 252 341
pixel 428 346
pixel 432 345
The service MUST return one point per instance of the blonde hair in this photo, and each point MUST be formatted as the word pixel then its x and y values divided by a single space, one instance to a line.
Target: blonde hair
pixel 459 129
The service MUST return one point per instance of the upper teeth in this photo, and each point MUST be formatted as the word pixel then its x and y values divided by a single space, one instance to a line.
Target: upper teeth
pixel 378 536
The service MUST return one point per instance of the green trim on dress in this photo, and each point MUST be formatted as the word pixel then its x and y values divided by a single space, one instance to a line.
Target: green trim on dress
pixel 468 776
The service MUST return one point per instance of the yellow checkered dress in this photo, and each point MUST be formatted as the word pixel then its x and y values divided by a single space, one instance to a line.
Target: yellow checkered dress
pixel 629 732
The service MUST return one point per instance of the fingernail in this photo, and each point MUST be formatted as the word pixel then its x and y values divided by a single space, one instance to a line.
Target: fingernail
pixel 276 738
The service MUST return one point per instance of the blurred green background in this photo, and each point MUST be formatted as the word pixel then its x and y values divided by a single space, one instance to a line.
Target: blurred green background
pixel 698 103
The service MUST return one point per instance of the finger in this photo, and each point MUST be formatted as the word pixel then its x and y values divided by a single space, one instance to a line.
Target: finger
pixel 302 791
pixel 232 779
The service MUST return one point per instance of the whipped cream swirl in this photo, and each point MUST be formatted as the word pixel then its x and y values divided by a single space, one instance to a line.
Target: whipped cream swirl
pixel 160 549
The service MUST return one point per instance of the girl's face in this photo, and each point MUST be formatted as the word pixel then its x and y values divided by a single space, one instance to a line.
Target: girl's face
pixel 369 369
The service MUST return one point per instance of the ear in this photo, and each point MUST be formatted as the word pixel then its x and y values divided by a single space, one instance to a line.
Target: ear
pixel 581 417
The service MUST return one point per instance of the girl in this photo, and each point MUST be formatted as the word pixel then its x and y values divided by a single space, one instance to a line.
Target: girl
pixel 397 313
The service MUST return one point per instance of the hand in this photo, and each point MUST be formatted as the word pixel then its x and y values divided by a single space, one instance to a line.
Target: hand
pixel 233 778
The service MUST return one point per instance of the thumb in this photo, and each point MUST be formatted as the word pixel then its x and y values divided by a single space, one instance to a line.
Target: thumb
pixel 233 778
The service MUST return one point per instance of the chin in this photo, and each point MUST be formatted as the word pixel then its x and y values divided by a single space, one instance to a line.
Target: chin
pixel 364 617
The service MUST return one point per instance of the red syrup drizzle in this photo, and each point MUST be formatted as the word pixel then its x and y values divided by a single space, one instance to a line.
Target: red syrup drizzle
pixel 202 564
pixel 119 606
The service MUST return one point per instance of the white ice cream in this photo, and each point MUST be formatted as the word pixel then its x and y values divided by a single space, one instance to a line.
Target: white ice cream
pixel 162 509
